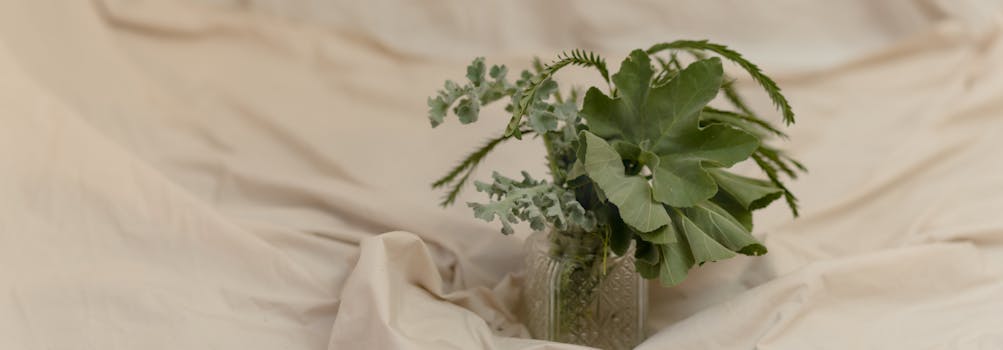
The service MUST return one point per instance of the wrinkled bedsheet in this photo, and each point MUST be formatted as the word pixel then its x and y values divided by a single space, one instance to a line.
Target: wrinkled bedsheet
pixel 223 174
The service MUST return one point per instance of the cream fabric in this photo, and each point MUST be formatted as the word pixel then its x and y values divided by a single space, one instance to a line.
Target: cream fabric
pixel 222 174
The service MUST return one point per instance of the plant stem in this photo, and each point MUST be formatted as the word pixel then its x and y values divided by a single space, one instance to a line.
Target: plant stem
pixel 579 276
pixel 555 171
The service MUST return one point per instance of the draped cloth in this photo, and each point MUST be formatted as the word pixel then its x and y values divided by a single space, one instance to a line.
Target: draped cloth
pixel 222 174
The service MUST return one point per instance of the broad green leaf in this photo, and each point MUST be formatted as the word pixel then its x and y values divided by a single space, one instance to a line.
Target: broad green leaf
pixel 626 150
pixel 680 179
pixel 647 270
pixel 749 192
pixel 681 182
pixel 602 115
pixel 725 229
pixel 677 259
pixel 675 107
pixel 577 170
pixel 631 194
pixel 634 81
pixel 733 207
pixel 667 118
pixel 649 159
pixel 664 235
pixel 704 247
pixel 719 145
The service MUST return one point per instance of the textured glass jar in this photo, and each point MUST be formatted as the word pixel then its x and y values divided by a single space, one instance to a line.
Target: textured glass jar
pixel 574 296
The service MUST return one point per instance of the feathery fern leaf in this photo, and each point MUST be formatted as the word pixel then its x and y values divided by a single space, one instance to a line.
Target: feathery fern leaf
pixel 778 159
pixel 736 100
pixel 771 173
pixel 466 167
pixel 748 118
pixel 669 70
pixel 584 58
pixel 529 94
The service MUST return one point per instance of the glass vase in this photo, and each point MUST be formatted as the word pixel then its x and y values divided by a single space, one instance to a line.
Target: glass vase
pixel 576 294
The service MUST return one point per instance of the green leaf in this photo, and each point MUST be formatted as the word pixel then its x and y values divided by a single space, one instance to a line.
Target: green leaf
pixel 733 207
pixel 602 115
pixel 664 235
pixel 577 170
pixel 771 173
pixel 467 110
pixel 751 193
pixel 725 229
pixel 437 108
pixel 677 259
pixel 667 118
pixel 649 159
pixel 701 244
pixel 475 71
pixel 542 121
pixel 681 182
pixel 633 81
pixel 530 94
pixel 647 270
pixel 631 194
pixel 780 160
pixel 497 72
pixel 466 168
pixel 476 93
pixel 534 201
pixel 626 150
pixel 488 213
pixel 675 107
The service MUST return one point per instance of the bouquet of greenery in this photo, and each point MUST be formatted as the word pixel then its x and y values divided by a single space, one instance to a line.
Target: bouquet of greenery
pixel 646 161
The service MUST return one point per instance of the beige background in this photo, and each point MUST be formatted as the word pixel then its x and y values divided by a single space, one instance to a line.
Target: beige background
pixel 212 174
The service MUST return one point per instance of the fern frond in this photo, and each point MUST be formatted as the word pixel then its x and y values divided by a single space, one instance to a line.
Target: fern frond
pixel 468 162
pixel 457 187
pixel 576 58
pixel 777 158
pixel 466 167
pixel 796 163
pixel 768 84
pixel 751 119
pixel 771 173
pixel 579 57
pixel 736 100
pixel 666 73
